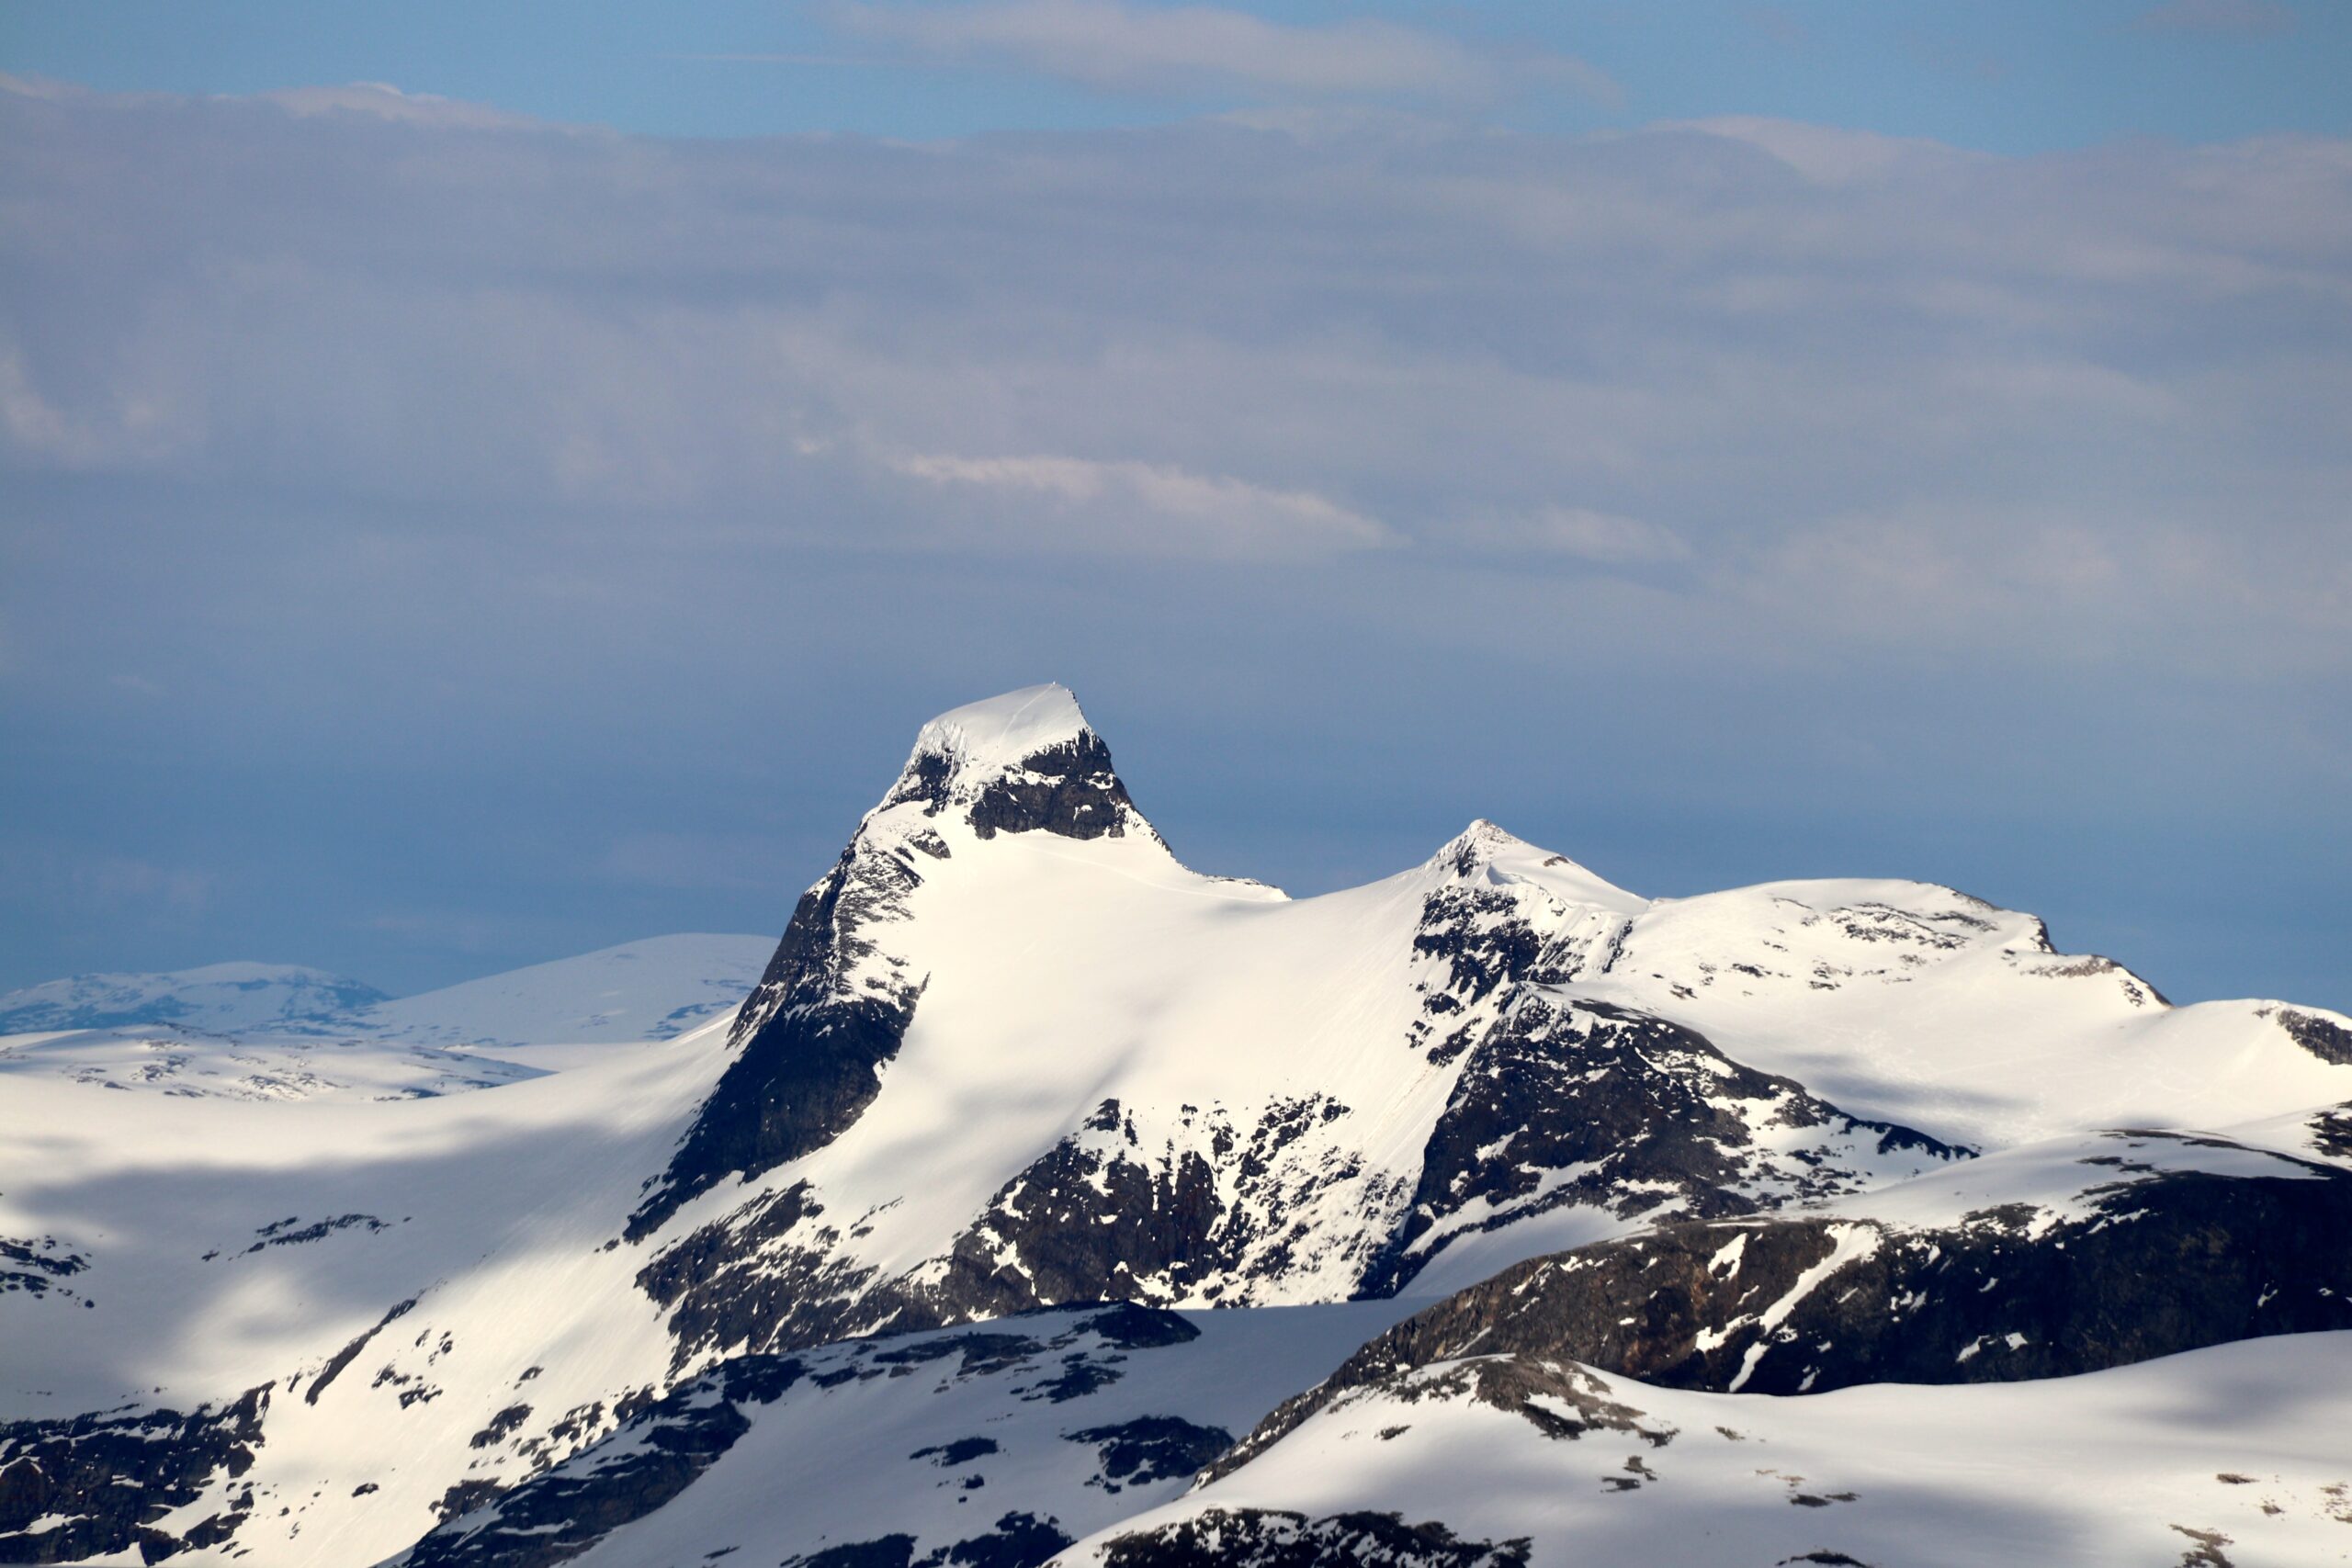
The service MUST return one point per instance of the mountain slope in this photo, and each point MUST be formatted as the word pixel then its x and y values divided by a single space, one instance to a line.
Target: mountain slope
pixel 1180 1089
pixel 1024 1433
pixel 1010 1054
pixel 2233 1455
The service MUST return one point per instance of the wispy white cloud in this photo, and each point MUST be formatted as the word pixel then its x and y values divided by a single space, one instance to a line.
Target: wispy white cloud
pixel 382 100
pixel 1125 507
pixel 1576 533
pixel 1121 46
pixel 1222 344
pixel 373 100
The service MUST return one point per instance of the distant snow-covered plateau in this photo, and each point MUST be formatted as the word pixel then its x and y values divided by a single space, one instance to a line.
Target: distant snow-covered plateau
pixel 1037 1198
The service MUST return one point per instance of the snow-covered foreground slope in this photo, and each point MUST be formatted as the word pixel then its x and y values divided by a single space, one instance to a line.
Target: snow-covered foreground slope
pixel 1022 1434
pixel 1011 1054
pixel 2236 1455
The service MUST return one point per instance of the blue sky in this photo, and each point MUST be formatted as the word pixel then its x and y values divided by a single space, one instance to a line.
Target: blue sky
pixel 531 503
pixel 2001 77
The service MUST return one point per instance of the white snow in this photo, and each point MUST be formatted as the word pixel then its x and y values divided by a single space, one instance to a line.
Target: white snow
pixel 1055 974
pixel 2245 1442
pixel 824 1466
pixel 986 740
pixel 256 1041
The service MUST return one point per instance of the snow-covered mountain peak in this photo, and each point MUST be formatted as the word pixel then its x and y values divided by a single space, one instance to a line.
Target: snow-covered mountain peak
pixel 1024 761
pixel 997 733
pixel 1484 852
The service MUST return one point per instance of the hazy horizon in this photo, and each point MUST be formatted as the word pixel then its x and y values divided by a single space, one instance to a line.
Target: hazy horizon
pixel 480 489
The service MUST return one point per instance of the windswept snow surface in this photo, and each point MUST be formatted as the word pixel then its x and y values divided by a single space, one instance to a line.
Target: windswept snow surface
pixel 654 989
pixel 1069 1420
pixel 982 742
pixel 2239 1452
pixel 1913 1002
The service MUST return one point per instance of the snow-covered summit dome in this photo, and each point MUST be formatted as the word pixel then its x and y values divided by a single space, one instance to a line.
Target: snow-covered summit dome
pixel 999 733
pixel 1022 761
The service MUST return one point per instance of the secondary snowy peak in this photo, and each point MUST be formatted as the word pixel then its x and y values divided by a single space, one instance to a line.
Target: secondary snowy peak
pixel 1026 761
pixel 1485 853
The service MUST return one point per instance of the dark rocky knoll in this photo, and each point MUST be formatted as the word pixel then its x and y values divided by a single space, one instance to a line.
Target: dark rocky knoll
pixel 2159 1262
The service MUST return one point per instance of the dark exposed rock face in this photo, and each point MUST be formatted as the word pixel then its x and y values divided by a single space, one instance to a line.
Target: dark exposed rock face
pixel 834 1005
pixel 34 1265
pixel 2328 1041
pixel 1050 1218
pixel 1563 1402
pixel 344 1358
pixel 2170 1262
pixel 113 1478
pixel 1273 1538
pixel 1069 789
pixel 1151 1448
pixel 282 1232
pixel 1478 940
pixel 1019 1541
pixel 1652 1118
pixel 811 1037
pixel 1484 940
pixel 2332 1134
pixel 1095 1218
pixel 882 1551
pixel 739 1283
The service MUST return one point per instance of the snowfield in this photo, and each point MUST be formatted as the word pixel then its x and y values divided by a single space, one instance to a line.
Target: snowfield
pixel 586 1262
pixel 2236 1454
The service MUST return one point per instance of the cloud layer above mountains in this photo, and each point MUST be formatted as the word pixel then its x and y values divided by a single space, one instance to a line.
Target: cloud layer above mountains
pixel 1832 467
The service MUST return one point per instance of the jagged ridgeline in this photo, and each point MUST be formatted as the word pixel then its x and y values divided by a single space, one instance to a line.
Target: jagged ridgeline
pixel 1487 1153
pixel 1380 1074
